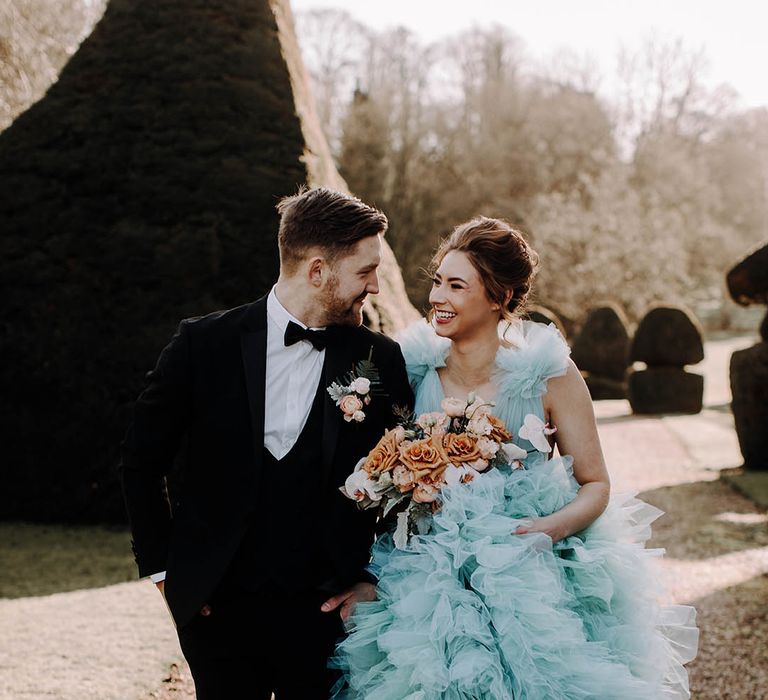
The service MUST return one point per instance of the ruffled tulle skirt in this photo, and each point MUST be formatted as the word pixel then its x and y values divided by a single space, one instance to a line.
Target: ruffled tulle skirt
pixel 472 611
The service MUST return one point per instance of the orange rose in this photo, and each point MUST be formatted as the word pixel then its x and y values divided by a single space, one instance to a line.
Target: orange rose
pixel 460 448
pixel 423 455
pixel 385 455
pixel 499 432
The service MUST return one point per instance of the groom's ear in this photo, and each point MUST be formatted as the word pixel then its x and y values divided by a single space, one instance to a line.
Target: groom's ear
pixel 317 270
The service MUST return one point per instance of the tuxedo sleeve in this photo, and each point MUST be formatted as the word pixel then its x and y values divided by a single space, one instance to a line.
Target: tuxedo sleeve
pixel 160 421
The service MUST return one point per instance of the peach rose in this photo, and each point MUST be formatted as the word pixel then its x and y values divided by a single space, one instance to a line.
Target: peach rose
pixel 460 448
pixel 385 455
pixel 350 405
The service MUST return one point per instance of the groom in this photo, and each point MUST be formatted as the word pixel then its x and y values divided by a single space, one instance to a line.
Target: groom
pixel 260 556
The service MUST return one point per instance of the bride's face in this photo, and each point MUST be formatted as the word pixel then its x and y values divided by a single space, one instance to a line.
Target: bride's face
pixel 459 301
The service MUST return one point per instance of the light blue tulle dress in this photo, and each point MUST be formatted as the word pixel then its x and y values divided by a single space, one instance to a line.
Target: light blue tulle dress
pixel 470 610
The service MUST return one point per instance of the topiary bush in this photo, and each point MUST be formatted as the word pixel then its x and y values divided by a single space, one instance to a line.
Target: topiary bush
pixel 668 336
pixel 602 345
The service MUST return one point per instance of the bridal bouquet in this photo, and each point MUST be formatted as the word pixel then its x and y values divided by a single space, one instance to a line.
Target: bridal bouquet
pixel 422 454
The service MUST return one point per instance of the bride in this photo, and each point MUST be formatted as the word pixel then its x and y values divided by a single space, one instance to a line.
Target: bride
pixel 531 583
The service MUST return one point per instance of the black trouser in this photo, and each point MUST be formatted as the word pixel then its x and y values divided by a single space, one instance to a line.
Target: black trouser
pixel 255 644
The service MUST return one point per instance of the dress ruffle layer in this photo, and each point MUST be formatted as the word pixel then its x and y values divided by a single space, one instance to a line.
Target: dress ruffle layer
pixel 471 610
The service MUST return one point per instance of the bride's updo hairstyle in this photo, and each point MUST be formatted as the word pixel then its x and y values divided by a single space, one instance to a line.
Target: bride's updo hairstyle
pixel 501 256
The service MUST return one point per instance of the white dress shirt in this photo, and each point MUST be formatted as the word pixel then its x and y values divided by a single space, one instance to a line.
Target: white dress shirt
pixel 293 374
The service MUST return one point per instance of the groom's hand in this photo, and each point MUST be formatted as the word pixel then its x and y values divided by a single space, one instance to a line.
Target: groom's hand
pixel 349 598
pixel 204 611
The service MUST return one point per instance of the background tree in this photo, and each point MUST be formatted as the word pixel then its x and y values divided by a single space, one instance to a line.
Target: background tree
pixel 645 197
pixel 37 38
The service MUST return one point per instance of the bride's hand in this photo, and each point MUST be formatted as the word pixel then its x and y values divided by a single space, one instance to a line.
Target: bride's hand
pixel 349 598
pixel 549 525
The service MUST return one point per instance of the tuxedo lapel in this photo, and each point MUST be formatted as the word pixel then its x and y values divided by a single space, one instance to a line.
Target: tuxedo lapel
pixel 253 345
pixel 339 360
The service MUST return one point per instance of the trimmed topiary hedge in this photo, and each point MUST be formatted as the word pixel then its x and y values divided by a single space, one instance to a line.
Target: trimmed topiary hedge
pixel 668 336
pixel 667 339
pixel 602 345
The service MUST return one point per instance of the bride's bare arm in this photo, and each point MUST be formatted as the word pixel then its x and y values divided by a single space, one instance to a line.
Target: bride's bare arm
pixel 568 406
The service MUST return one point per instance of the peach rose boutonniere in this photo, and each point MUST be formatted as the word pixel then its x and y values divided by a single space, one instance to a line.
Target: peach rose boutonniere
pixel 425 454
pixel 352 393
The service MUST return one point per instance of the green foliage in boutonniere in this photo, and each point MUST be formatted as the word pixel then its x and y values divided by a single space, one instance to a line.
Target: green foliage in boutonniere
pixel 352 393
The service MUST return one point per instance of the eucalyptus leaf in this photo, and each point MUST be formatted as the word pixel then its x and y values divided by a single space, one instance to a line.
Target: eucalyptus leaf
pixel 337 391
pixel 392 501
pixel 401 531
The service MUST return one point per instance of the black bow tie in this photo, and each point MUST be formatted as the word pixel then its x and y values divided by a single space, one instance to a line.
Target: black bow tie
pixel 294 333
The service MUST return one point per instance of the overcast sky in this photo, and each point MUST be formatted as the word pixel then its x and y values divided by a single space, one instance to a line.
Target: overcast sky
pixel 733 32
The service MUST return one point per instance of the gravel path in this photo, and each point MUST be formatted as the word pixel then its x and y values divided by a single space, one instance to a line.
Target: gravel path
pixel 716 542
pixel 110 643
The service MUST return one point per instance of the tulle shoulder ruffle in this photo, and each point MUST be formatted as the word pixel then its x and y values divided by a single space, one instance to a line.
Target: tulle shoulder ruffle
pixel 423 349
pixel 473 611
pixel 537 353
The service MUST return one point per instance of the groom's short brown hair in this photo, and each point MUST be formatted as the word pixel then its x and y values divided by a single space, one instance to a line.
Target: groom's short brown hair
pixel 324 219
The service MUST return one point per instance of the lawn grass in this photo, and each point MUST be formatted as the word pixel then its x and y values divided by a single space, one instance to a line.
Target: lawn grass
pixel 754 485
pixel 42 559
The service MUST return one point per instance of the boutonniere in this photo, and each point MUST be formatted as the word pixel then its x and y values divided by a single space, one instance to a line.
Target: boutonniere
pixel 352 393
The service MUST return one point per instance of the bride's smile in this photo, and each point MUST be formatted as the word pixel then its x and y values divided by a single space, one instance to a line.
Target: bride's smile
pixel 460 305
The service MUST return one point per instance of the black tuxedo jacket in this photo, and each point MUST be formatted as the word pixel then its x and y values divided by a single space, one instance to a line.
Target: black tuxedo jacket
pixel 207 391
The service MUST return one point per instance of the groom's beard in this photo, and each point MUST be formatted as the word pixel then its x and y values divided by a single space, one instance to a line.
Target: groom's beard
pixel 340 311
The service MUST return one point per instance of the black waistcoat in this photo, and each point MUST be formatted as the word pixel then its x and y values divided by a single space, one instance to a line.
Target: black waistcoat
pixel 282 544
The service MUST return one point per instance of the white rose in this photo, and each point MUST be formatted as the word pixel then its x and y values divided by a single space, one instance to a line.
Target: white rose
pixel 453 407
pixel 361 385
pixel 358 416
